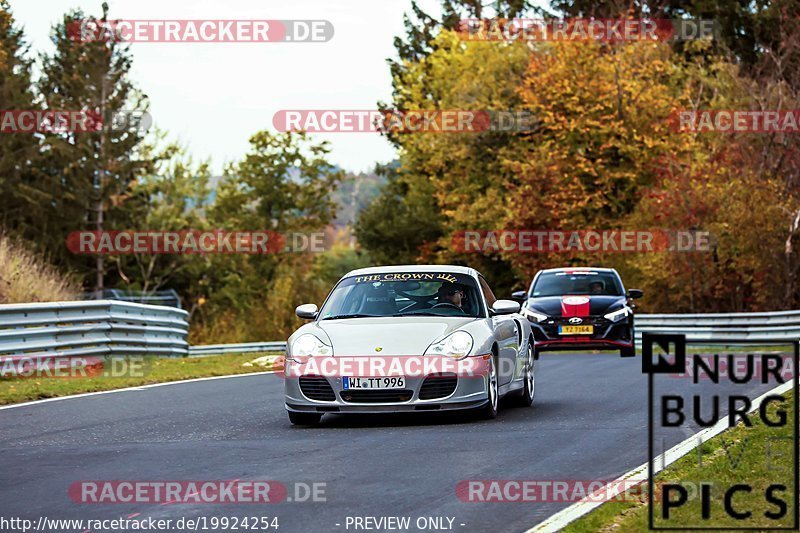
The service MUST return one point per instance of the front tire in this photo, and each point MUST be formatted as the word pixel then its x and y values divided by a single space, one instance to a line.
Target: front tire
pixel 489 411
pixel 627 351
pixel 304 419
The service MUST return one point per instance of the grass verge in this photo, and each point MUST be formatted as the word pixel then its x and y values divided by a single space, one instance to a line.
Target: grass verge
pixel 154 370
pixel 26 277
pixel 759 456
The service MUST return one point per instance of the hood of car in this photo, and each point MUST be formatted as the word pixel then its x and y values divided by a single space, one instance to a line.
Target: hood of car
pixel 568 306
pixel 388 336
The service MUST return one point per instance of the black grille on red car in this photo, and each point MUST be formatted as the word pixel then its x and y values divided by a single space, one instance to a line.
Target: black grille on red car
pixel 376 395
pixel 317 388
pixel 438 386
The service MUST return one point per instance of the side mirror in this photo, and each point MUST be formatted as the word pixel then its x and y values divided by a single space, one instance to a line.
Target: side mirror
pixel 505 307
pixel 306 311
pixel 635 293
pixel 519 295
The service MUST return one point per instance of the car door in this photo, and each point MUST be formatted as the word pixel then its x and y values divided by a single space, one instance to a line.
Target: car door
pixel 506 332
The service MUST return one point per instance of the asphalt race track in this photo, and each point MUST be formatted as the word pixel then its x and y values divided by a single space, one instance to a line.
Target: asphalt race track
pixel 589 421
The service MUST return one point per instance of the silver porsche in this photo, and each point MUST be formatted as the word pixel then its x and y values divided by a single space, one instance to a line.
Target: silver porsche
pixel 409 338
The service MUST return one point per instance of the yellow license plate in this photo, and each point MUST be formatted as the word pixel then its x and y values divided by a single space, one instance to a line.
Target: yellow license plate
pixel 575 330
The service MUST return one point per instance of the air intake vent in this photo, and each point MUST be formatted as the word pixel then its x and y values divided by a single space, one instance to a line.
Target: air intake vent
pixel 377 396
pixel 317 388
pixel 438 386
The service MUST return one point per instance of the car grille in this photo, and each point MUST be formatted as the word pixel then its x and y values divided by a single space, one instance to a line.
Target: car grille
pixel 551 329
pixel 376 396
pixel 438 386
pixel 317 388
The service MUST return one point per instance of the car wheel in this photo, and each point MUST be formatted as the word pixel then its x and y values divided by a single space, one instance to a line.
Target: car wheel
pixel 304 419
pixel 489 410
pixel 627 351
pixel 525 399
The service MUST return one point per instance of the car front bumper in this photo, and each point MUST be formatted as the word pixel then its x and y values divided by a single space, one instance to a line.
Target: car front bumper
pixel 318 394
pixel 607 335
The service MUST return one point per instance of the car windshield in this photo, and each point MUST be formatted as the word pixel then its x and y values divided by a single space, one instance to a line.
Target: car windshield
pixel 578 282
pixel 400 294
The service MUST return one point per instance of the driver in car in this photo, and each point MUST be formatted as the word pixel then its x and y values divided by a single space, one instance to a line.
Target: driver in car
pixel 596 287
pixel 450 295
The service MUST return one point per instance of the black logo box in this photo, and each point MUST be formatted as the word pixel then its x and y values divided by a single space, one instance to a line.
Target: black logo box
pixel 678 364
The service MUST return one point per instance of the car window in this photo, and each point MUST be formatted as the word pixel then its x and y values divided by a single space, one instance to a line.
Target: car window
pixel 399 294
pixel 577 283
pixel 487 292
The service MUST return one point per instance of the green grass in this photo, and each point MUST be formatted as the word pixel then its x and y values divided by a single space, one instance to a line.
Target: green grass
pixel 746 445
pixel 156 370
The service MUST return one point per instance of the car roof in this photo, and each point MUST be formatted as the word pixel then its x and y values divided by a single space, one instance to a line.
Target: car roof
pixel 578 269
pixel 412 268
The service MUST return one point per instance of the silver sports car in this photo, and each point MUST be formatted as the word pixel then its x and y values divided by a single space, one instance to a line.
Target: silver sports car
pixel 408 338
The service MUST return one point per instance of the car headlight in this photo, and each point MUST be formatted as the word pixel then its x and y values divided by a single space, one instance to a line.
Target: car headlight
pixel 309 345
pixel 533 315
pixel 456 345
pixel 618 315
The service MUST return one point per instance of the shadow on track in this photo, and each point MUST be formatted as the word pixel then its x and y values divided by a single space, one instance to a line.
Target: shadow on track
pixel 390 420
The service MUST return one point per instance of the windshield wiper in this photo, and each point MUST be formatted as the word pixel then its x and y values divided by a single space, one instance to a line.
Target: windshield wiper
pixel 418 314
pixel 355 315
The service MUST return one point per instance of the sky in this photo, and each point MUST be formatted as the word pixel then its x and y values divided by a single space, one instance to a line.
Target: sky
pixel 213 96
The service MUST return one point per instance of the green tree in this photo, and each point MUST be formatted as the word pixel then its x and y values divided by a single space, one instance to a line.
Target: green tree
pixel 284 184
pixel 24 200
pixel 401 222
pixel 92 167
pixel 174 197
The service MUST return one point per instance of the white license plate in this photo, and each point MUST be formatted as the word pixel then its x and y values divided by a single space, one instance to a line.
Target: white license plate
pixel 349 383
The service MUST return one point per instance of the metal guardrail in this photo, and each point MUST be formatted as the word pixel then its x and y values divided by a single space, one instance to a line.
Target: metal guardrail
pixel 718 328
pixel 249 347
pixel 108 327
pixel 85 328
